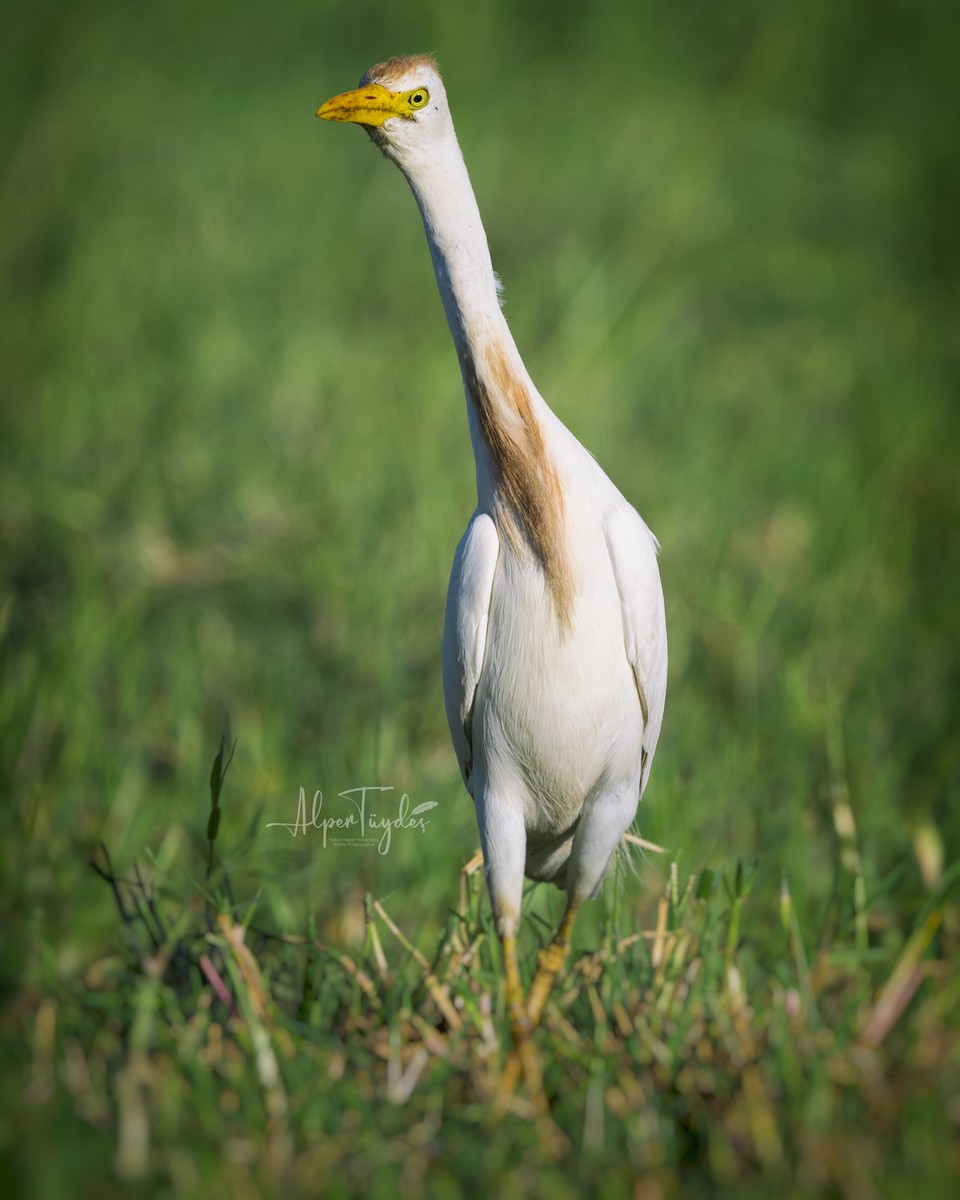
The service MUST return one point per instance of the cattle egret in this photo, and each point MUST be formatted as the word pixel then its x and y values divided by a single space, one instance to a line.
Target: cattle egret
pixel 555 642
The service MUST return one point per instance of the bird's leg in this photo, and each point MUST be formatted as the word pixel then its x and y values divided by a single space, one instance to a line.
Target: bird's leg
pixel 525 1017
pixel 516 1008
pixel 549 964
pixel 523 1059
pixel 503 838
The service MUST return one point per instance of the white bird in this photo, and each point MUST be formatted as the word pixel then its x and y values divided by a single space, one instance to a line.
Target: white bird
pixel 555 641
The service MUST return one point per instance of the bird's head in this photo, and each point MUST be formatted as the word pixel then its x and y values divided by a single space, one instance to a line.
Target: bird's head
pixel 402 105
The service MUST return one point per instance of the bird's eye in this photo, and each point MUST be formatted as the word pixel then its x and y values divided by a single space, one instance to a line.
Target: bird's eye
pixel 419 98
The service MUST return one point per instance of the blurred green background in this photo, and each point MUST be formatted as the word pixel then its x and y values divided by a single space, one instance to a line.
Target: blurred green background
pixel 234 461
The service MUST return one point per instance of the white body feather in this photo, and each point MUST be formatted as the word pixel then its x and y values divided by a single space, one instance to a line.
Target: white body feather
pixel 555 728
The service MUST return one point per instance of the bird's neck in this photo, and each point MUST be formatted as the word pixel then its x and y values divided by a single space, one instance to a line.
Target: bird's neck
pixel 516 475
pixel 458 247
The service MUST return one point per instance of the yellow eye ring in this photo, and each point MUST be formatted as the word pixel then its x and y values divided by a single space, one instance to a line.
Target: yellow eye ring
pixel 418 98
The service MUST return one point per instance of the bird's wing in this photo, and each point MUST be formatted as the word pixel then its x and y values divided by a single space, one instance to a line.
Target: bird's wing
pixel 633 553
pixel 465 631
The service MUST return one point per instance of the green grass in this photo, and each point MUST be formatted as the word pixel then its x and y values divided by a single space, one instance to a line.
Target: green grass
pixel 233 469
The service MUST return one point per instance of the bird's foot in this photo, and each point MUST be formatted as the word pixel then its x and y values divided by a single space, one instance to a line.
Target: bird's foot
pixel 523 1063
pixel 531 1103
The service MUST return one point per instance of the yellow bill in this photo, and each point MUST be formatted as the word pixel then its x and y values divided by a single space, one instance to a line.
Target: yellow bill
pixel 370 105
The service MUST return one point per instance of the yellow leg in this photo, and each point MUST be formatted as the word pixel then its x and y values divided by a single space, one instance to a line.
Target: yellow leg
pixel 549 964
pixel 523 1059
pixel 516 1008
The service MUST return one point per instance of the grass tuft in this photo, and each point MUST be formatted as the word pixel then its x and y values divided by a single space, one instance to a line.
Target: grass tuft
pixel 695 1050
